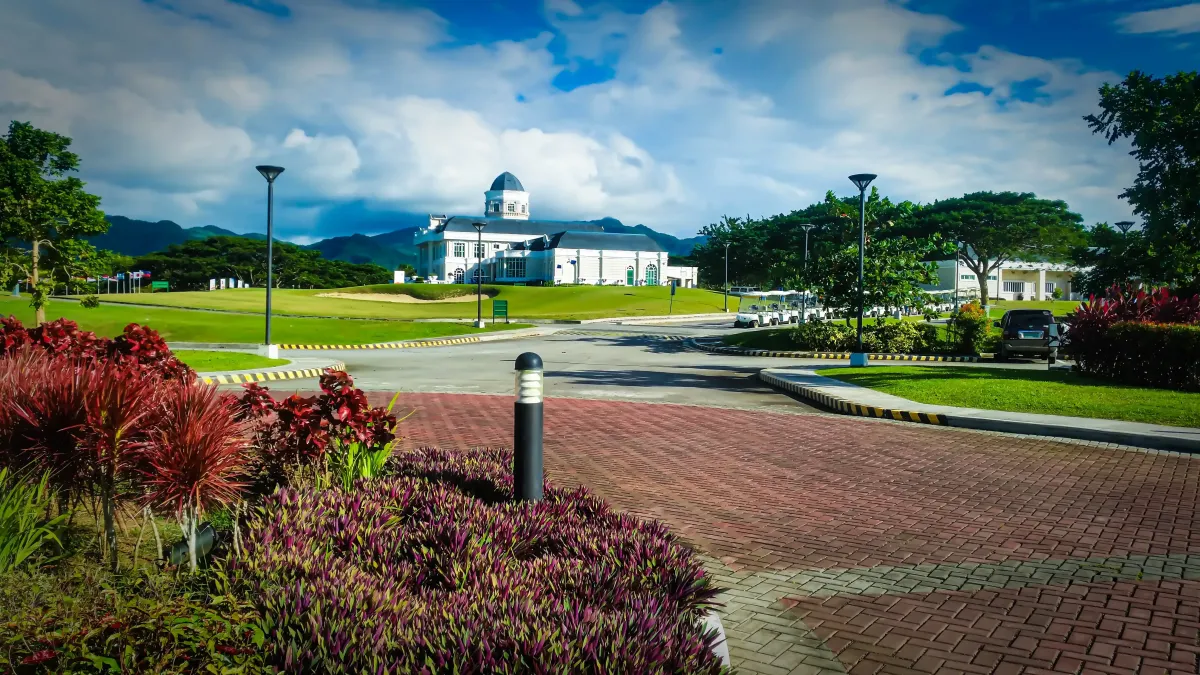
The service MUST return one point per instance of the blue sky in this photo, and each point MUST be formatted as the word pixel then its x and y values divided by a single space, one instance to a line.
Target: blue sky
pixel 664 113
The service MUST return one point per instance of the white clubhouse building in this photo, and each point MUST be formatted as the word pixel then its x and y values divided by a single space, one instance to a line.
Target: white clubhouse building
pixel 1013 280
pixel 516 249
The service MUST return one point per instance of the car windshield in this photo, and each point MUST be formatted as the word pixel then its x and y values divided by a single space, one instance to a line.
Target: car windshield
pixel 1029 321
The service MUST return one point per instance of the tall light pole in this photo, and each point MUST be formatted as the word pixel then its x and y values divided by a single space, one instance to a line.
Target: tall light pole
pixel 861 181
pixel 479 225
pixel 957 255
pixel 727 277
pixel 270 173
pixel 804 306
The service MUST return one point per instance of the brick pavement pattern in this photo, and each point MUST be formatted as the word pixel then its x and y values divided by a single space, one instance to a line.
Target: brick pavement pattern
pixel 868 546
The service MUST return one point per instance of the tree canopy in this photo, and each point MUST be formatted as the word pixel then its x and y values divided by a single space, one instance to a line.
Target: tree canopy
pixel 998 227
pixel 1161 118
pixel 190 265
pixel 44 213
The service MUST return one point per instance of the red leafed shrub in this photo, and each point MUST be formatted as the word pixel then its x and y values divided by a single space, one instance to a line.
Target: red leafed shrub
pixel 137 344
pixel 299 431
pixel 437 570
pixel 1137 337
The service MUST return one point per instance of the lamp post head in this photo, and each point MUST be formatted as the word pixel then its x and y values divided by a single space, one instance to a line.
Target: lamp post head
pixel 1124 226
pixel 478 225
pixel 269 172
pixel 807 226
pixel 862 180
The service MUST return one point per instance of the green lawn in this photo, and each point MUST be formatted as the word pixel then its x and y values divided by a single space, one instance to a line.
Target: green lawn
pixel 527 302
pixel 189 326
pixel 211 362
pixel 1059 307
pixel 1054 392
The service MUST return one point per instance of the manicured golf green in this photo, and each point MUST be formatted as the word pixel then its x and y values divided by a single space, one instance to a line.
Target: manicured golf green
pixel 211 362
pixel 527 302
pixel 179 325
pixel 1054 392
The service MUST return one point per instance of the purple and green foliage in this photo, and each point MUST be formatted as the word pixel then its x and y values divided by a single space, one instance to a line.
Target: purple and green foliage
pixel 436 569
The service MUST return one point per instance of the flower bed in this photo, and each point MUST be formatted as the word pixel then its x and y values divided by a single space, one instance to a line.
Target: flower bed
pixel 436 569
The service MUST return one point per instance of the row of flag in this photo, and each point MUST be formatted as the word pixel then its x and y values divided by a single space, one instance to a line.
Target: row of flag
pixel 122 276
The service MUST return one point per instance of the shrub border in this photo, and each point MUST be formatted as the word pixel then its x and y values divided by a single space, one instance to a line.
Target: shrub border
pixel 741 351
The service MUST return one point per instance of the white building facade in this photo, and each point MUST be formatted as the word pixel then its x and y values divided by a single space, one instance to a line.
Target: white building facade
pixel 1013 280
pixel 513 248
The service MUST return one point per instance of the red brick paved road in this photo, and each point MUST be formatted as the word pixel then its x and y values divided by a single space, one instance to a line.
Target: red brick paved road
pixel 777 496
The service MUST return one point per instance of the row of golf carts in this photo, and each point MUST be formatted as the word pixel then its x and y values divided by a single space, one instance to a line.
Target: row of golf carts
pixel 774 308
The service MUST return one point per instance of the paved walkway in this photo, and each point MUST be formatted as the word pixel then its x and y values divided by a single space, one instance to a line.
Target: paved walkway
pixel 871 546
pixel 807 382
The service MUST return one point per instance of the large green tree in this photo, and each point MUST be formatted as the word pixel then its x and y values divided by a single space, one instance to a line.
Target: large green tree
pixel 190 265
pixel 1112 257
pixel 44 212
pixel 747 244
pixel 998 227
pixel 1161 117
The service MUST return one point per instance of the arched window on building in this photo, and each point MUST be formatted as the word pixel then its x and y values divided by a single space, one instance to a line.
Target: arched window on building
pixel 651 275
pixel 458 276
pixel 630 276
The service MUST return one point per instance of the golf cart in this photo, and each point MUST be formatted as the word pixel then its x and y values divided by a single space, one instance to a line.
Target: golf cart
pixel 757 314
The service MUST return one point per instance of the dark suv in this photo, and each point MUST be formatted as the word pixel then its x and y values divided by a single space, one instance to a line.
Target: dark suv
pixel 1028 332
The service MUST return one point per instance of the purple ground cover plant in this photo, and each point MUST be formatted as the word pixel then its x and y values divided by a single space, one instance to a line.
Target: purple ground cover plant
pixel 436 569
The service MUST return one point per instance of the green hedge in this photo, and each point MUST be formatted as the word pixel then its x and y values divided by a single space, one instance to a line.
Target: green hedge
pixel 1147 354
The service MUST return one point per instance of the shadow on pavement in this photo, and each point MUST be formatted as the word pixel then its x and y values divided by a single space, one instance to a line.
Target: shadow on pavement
pixel 653 378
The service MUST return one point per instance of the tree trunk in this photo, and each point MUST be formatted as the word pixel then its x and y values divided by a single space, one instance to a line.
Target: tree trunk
pixel 39 309
pixel 110 531
pixel 983 287
pixel 157 536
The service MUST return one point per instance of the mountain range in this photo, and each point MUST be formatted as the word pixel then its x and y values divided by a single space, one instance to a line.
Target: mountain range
pixel 388 249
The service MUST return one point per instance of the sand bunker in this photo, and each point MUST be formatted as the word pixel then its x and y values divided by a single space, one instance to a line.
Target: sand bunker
pixel 393 297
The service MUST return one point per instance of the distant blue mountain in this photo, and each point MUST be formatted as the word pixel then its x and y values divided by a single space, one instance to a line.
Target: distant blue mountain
pixel 389 249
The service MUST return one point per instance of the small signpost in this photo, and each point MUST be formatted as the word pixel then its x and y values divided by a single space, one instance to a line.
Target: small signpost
pixel 674 285
pixel 499 309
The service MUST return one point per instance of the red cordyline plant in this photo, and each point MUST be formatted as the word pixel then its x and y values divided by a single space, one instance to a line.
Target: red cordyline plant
pixel 196 456
pixel 1086 341
pixel 137 345
pixel 122 403
pixel 437 570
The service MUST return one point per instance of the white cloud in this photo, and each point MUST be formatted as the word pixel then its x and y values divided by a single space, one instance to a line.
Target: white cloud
pixel 1178 20
pixel 172 107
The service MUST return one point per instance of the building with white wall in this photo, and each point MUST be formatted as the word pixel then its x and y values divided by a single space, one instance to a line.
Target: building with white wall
pixel 517 249
pixel 1013 280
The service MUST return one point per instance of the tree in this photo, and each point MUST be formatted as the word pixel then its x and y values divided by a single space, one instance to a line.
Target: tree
pixel 191 264
pixel 998 227
pixel 1162 119
pixel 746 238
pixel 897 261
pixel 43 211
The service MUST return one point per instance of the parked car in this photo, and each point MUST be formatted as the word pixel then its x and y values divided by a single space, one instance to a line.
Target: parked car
pixel 1029 333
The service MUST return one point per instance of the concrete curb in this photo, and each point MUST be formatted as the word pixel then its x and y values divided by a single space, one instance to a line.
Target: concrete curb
pixel 268 375
pixel 1171 439
pixel 740 351
pixel 847 406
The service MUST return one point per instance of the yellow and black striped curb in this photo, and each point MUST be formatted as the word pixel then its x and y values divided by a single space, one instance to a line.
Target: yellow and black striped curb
pixel 270 375
pixel 632 334
pixel 846 407
pixel 741 351
pixel 389 345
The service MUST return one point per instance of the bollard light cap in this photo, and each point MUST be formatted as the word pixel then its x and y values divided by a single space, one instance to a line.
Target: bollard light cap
pixel 529 361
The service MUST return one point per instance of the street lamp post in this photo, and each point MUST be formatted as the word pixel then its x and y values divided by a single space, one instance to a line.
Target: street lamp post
pixel 727 277
pixel 479 225
pixel 1124 226
pixel 957 255
pixel 804 307
pixel 270 173
pixel 861 181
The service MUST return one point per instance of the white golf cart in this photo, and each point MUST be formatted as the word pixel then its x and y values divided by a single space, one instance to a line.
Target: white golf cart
pixel 769 310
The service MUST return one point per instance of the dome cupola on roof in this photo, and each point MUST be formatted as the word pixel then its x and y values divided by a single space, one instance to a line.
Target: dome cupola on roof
pixel 507 181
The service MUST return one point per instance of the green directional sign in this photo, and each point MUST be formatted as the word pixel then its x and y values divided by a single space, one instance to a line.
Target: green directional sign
pixel 500 309
pixel 160 285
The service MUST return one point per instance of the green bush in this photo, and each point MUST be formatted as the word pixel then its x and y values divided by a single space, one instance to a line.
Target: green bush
pixel 90 302
pixel 1145 354
pixel 23 527
pixel 969 329
pixel 896 337
pixel 824 336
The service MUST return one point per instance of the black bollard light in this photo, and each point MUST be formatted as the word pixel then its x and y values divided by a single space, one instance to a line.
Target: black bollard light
pixel 527 429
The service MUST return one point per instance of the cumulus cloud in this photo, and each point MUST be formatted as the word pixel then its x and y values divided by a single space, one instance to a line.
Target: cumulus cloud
pixel 1179 20
pixel 172 102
